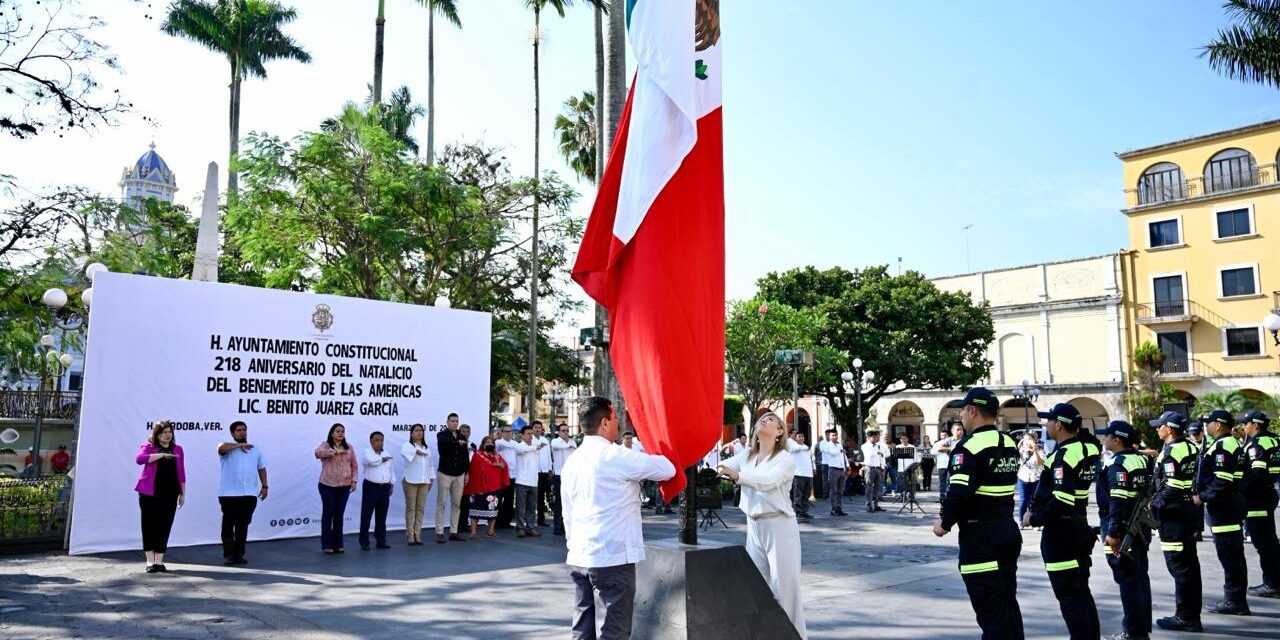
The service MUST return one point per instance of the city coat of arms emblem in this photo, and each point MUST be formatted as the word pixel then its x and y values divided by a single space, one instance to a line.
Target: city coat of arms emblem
pixel 322 318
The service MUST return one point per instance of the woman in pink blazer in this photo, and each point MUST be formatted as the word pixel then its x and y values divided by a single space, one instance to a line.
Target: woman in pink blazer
pixel 162 489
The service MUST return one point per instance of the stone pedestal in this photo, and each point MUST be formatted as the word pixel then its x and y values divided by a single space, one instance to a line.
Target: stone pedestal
pixel 711 591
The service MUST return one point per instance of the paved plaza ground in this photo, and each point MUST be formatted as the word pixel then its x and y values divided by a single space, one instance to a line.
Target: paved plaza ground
pixel 882 576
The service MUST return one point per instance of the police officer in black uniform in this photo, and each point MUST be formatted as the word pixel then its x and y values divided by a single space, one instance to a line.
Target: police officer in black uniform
pixel 1061 506
pixel 1219 493
pixel 984 471
pixel 1197 439
pixel 1126 481
pixel 1262 465
pixel 1172 506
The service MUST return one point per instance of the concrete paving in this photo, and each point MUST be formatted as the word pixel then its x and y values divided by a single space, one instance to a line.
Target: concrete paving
pixel 882 576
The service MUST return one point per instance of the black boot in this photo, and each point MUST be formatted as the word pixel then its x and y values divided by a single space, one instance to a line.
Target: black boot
pixel 1175 623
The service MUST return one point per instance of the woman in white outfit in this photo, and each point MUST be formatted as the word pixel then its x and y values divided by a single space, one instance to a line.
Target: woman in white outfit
pixel 773 539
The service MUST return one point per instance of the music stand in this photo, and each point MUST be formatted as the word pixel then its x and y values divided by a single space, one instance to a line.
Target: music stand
pixel 908 495
pixel 709 500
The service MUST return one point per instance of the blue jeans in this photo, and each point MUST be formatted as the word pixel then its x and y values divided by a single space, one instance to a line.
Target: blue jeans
pixel 334 505
pixel 1026 491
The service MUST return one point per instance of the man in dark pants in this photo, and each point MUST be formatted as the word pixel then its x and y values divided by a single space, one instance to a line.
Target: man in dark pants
pixel 1197 439
pixel 1061 506
pixel 1262 465
pixel 375 496
pixel 544 471
pixel 242 483
pixel 983 470
pixel 505 447
pixel 1126 482
pixel 802 482
pixel 1225 506
pixel 1172 506
pixel 464 505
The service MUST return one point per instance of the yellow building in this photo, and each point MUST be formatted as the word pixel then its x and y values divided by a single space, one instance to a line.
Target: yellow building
pixel 1203 268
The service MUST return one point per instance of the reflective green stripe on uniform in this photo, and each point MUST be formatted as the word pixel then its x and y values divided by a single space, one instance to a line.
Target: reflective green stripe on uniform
pixel 1224 475
pixel 1259 464
pixel 1171 546
pixel 1178 484
pixel 1065 497
pixel 1106 550
pixel 998 490
pixel 1226 528
pixel 1256 514
pixel 1062 566
pixel 980 567
pixel 1121 493
pixel 962 478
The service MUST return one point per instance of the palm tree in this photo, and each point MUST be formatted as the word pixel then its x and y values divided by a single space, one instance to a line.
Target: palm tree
pixel 576 125
pixel 1232 401
pixel 248 33
pixel 398 116
pixel 602 8
pixel 448 9
pixel 1250 50
pixel 379 27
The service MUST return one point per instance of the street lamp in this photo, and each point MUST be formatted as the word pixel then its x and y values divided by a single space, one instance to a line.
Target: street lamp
pixel 1272 323
pixel 1028 395
pixel 857 380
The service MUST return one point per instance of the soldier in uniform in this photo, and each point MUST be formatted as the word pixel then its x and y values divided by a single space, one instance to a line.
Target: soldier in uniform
pixel 1262 462
pixel 1172 506
pixel 1126 479
pixel 984 469
pixel 1061 506
pixel 1219 493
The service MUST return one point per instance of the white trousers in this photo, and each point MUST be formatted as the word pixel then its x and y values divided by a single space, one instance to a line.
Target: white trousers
pixel 774 547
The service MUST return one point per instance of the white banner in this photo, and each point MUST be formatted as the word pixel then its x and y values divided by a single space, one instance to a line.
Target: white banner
pixel 203 355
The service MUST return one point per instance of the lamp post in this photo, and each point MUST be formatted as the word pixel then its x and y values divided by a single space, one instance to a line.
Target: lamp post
pixel 1028 395
pixel 857 378
pixel 1272 321
pixel 51 362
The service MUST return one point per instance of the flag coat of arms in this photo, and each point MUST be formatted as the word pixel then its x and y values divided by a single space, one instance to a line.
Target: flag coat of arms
pixel 653 250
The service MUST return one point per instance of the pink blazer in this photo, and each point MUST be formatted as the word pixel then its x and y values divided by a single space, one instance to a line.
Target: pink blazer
pixel 147 481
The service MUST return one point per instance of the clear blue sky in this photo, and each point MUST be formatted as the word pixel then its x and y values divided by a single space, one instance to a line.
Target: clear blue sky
pixel 855 132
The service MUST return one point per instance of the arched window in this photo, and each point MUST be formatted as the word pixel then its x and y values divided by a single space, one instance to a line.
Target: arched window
pixel 1230 169
pixel 1161 182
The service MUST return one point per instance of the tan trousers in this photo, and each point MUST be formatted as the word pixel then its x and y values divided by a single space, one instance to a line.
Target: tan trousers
pixel 415 501
pixel 451 486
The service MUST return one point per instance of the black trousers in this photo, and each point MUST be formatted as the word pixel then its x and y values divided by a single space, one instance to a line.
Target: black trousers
pixel 926 474
pixel 464 515
pixel 374 500
pixel 989 566
pixel 1132 574
pixel 506 506
pixel 1066 545
pixel 1178 523
pixel 157 520
pixel 800 488
pixel 557 510
pixel 1262 530
pixel 237 513
pixel 820 482
pixel 544 497
pixel 615 588
pixel 1228 541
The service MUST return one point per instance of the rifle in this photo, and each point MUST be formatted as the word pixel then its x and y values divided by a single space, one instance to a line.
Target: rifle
pixel 1140 520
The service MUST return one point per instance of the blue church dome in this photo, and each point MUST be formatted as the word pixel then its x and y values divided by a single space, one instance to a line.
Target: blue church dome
pixel 150 164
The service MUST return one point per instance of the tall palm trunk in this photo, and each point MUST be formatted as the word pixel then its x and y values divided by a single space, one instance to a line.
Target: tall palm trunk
pixel 233 177
pixel 614 99
pixel 380 27
pixel 533 251
pixel 601 151
pixel 431 86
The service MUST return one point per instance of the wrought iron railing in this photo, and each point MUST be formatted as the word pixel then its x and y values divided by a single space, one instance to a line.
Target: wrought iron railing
pixel 1167 309
pixel 58 405
pixel 33 511
pixel 1170 186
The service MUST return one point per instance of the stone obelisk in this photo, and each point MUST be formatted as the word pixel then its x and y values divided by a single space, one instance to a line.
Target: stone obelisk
pixel 206 264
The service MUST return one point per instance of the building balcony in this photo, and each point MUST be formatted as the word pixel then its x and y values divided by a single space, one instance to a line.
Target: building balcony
pixel 1168 312
pixel 1183 369
pixel 26 405
pixel 1174 189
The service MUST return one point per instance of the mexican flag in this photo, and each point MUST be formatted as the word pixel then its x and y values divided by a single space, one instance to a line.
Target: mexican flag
pixel 653 251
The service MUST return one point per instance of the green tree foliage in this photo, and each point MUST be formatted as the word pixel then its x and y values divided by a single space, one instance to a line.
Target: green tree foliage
pixel 348 211
pixel 1148 395
pixel 906 330
pixel 1237 402
pixel 1250 49
pixel 733 406
pixel 577 132
pixel 754 329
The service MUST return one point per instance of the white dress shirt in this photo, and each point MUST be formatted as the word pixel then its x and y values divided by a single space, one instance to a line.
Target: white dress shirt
pixel 942 459
pixel 507 449
pixel 376 469
pixel 600 491
pixel 561 449
pixel 833 454
pixel 739 448
pixel 800 456
pixel 544 454
pixel 766 484
pixel 417 463
pixel 875 455
pixel 527 463
pixel 635 444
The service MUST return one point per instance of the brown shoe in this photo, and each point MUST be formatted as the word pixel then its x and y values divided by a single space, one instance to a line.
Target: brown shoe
pixel 457 538
pixel 439 538
pixel 533 533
